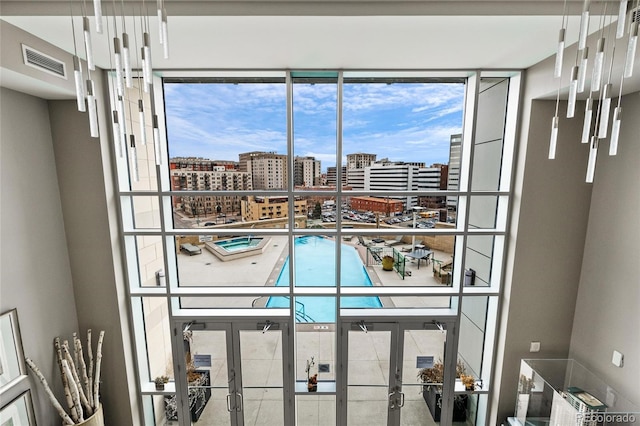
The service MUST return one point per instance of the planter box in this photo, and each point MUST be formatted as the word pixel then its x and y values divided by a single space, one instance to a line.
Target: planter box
pixel 198 398
pixel 433 398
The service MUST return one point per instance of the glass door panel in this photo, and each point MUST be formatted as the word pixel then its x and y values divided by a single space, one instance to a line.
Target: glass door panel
pixel 383 386
pixel 369 357
pixel 419 348
pixel 234 374
pixel 206 355
pixel 261 392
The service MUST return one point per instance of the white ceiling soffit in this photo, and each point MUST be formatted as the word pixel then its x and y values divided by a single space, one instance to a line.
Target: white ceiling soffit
pixel 348 42
pixel 318 7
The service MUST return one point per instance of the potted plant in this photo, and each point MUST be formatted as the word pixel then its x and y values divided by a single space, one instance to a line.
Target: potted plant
pixel 468 381
pixel 432 378
pixel 160 381
pixel 199 384
pixel 387 263
pixel 312 381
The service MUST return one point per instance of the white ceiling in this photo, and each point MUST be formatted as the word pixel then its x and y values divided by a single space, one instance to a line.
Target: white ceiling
pixel 384 42
pixel 325 34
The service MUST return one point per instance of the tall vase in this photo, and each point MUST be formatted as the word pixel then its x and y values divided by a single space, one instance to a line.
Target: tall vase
pixel 96 419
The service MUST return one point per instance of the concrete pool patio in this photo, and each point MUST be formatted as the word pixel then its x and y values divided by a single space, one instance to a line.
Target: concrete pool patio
pixel 263 270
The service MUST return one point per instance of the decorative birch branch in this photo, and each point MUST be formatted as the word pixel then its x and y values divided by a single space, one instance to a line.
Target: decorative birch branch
pixel 96 379
pixel 65 417
pixel 90 353
pixel 85 379
pixel 81 384
pixel 65 383
pixel 76 380
pixel 74 392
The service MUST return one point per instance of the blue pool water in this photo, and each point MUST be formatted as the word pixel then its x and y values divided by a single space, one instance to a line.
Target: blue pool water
pixel 238 243
pixel 315 267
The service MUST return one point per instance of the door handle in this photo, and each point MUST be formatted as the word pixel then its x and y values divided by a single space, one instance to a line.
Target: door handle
pixel 229 402
pixel 393 401
pixel 401 399
pixel 241 405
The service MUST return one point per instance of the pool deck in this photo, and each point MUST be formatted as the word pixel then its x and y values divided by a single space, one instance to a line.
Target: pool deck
pixel 262 270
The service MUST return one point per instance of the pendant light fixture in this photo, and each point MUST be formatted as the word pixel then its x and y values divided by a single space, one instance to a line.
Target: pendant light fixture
pixel 582 69
pixel 77 67
pixel 632 47
pixel 92 107
pixel 88 45
pixel 117 115
pixel 584 25
pixel 126 58
pixel 97 13
pixel 561 43
pixel 622 16
pixel 553 140
pixel 133 154
pixel 588 116
pixel 573 92
pixel 134 158
pixel 594 130
pixel 156 140
pixel 165 33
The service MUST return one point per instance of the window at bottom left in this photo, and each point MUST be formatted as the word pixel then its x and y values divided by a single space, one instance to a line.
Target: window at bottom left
pixel 18 412
pixel 153 343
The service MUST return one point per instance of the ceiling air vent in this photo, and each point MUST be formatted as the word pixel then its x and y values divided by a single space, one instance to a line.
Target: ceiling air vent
pixel 43 62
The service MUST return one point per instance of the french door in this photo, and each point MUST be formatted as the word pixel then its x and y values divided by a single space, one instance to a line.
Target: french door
pixel 381 360
pixel 233 372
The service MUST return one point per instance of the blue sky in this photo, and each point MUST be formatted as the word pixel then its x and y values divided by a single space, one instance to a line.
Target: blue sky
pixel 401 121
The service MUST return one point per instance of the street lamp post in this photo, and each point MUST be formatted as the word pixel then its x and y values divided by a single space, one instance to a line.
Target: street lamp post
pixel 416 209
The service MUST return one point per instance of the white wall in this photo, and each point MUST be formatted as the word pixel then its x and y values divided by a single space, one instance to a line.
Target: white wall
pixel 550 215
pixel 35 270
pixel 89 205
pixel 549 225
pixel 608 306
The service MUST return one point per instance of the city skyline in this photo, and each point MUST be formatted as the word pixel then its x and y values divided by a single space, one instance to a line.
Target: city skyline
pixel 401 121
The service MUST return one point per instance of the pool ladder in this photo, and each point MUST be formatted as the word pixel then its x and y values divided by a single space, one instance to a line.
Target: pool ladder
pixel 301 316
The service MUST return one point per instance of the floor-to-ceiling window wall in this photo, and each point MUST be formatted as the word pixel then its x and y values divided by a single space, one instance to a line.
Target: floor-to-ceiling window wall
pixel 346 228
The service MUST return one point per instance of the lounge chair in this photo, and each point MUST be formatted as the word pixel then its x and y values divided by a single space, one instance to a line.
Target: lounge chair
pixel 190 249
pixel 364 242
pixel 396 241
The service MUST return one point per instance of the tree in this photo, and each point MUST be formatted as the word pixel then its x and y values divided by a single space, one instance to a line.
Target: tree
pixel 317 211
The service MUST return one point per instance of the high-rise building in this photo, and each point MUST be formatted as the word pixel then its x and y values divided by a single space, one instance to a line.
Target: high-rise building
pixel 306 171
pixel 392 176
pixel 332 177
pixel 268 169
pixel 355 179
pixel 433 178
pixel 355 168
pixel 199 174
pixel 360 160
pixel 453 182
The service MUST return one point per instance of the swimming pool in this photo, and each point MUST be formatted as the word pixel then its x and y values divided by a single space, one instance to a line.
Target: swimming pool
pixel 238 243
pixel 315 267
pixel 235 248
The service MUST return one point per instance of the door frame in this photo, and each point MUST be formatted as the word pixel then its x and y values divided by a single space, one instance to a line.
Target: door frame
pixel 232 327
pixel 397 324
